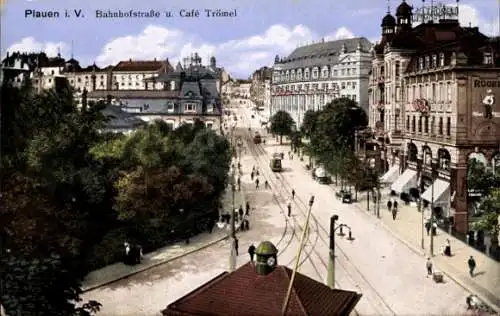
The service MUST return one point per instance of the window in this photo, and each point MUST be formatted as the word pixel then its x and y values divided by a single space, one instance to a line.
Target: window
pixel 433 123
pixel 426 124
pixel 102 77
pixel 353 97
pixel 488 59
pixel 448 126
pixel 79 79
pixel 210 125
pixel 170 107
pixel 342 72
pixel 354 85
pixel 210 108
pixel 408 123
pixel 335 73
pixel 397 67
pixel 189 107
pixel 52 72
pixel 427 61
pixel 441 60
pixel 420 124
pixel 315 74
pixel 353 71
pixel 433 93
pixel 343 85
pixel 348 71
pixel 440 127
pixel 102 84
pixel 86 77
pixel 71 81
pixel 413 124
pixel 421 63
pixel 434 61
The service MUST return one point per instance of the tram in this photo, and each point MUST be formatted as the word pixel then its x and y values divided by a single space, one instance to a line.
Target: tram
pixel 275 163
pixel 257 139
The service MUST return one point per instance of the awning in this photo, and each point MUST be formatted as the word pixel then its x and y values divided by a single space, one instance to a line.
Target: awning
pixel 390 175
pixel 405 181
pixel 441 192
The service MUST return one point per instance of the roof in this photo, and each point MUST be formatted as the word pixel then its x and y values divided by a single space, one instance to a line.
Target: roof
pixel 244 292
pixel 143 65
pixel 326 48
pixel 133 94
pixel 404 9
pixel 388 20
pixel 117 118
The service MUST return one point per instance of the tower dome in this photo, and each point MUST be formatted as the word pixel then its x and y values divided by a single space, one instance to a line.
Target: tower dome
pixel 388 20
pixel 404 9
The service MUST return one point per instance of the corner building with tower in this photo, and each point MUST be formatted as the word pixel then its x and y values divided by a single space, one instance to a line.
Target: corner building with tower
pixel 433 107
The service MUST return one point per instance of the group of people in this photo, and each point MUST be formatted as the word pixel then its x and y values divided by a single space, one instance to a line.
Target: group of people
pixel 392 206
pixel 132 254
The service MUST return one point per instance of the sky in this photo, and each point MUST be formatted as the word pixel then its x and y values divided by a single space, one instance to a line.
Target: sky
pixel 261 30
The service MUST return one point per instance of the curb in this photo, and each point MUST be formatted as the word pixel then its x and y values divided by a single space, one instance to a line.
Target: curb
pixel 457 280
pixel 145 268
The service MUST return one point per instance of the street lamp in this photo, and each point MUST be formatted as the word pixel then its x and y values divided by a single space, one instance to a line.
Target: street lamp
pixel 331 261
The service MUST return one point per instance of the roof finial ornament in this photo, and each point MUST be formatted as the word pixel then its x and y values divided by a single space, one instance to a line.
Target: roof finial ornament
pixel 388 6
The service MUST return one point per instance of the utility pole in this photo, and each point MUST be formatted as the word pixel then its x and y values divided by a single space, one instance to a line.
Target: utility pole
pixel 331 261
pixel 378 199
pixel 422 219
pixel 431 246
pixel 232 255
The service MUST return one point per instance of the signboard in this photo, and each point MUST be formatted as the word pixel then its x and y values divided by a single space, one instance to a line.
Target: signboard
pixel 485 92
pixel 435 12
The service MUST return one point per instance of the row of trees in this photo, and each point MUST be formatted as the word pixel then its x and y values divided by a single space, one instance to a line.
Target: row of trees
pixel 331 135
pixel 71 195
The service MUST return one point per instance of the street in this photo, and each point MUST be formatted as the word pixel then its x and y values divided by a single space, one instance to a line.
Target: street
pixel 390 276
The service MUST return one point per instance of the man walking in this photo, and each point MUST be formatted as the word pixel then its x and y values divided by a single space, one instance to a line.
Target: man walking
pixel 239 183
pixel 257 183
pixel 236 245
pixel 247 212
pixel 472 265
pixel 389 205
pixel 240 211
pixel 289 209
pixel 266 184
pixel 251 251
pixel 428 227
pixel 293 194
pixel 428 265
pixel 252 175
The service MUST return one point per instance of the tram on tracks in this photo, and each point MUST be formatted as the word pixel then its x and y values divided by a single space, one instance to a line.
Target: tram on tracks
pixel 275 163
pixel 257 139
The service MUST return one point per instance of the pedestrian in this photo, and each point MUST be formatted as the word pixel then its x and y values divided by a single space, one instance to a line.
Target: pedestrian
pixel 257 183
pixel 236 246
pixel 472 265
pixel 266 184
pixel 428 227
pixel 293 194
pixel 239 183
pixel 247 212
pixel 240 211
pixel 251 252
pixel 434 229
pixel 394 213
pixel 239 165
pixel 428 265
pixel 253 168
pixel 395 205
pixel 247 224
pixel 257 172
pixel 389 205
pixel 252 175
pixel 289 209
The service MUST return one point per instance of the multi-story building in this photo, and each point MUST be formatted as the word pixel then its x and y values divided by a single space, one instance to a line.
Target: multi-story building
pixel 17 68
pixel 433 107
pixel 313 75
pixel 189 93
pixel 260 89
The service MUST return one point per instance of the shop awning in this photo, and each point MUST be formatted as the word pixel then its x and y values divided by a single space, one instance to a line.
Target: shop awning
pixel 441 192
pixel 405 181
pixel 390 175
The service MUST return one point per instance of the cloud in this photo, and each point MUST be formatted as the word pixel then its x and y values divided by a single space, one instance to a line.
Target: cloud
pixel 29 44
pixel 470 15
pixel 239 56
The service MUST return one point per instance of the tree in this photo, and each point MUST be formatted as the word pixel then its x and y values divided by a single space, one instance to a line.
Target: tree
pixel 281 124
pixel 309 123
pixel 488 221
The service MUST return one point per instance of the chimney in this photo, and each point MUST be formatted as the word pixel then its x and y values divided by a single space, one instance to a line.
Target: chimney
pixel 130 60
pixel 266 260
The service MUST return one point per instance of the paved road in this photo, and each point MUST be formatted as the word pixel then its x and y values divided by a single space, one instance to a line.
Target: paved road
pixel 390 276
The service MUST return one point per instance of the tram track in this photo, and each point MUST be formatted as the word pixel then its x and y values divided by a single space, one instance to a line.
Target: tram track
pixel 351 271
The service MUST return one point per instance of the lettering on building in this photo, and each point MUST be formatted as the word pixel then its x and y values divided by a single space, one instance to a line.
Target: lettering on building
pixel 486 83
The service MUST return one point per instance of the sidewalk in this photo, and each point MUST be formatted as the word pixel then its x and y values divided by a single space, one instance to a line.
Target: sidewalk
pixel 408 228
pixel 119 270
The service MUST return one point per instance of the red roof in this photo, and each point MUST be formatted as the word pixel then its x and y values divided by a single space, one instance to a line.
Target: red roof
pixel 144 65
pixel 244 292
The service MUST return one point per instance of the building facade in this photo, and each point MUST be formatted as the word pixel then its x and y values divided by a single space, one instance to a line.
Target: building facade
pixel 260 89
pixel 189 93
pixel 314 75
pixel 433 106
